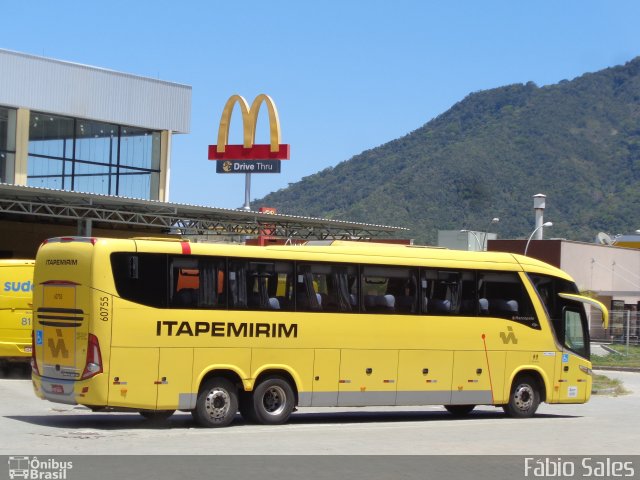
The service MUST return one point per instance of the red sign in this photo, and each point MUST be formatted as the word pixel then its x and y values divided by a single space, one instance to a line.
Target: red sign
pixel 255 152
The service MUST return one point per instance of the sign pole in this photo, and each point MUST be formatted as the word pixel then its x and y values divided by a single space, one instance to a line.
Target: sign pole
pixel 247 192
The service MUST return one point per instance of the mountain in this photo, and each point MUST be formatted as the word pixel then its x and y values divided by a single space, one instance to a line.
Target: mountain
pixel 577 141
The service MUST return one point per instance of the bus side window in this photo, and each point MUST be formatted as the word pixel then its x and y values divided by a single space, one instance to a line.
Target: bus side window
pixel 469 302
pixel 389 289
pixel 198 282
pixel 503 295
pixel 326 287
pixel 141 277
pixel 442 292
pixel 261 285
pixel 308 298
pixel 237 284
pixel 211 285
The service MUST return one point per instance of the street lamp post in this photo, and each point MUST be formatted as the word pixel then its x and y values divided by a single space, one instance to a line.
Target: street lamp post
pixel 486 232
pixel 545 224
pixel 474 234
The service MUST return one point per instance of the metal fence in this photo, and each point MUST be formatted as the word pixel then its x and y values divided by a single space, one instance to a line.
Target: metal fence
pixel 624 327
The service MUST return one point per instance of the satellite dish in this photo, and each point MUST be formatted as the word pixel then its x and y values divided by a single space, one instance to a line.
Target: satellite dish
pixel 603 239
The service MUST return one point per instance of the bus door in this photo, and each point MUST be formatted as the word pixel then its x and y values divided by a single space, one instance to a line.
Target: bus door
pixel 573 366
pixel 573 381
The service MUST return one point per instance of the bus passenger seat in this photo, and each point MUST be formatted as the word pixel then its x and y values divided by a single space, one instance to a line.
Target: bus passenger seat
pixel 387 302
pixel 500 306
pixel 186 298
pixel 274 303
pixel 405 303
pixel 483 303
pixel 440 306
pixel 369 302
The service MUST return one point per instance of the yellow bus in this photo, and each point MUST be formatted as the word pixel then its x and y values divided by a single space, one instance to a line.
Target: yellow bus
pixel 156 326
pixel 16 284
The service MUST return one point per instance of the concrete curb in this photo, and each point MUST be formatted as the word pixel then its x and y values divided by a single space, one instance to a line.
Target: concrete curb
pixel 604 391
pixel 618 369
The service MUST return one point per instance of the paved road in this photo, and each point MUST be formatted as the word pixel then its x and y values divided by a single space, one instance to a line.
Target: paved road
pixel 606 426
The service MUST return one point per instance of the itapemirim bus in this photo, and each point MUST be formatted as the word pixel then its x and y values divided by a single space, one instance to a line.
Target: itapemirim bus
pixel 156 326
pixel 16 285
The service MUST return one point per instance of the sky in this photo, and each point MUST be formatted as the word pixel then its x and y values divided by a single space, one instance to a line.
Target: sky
pixel 346 75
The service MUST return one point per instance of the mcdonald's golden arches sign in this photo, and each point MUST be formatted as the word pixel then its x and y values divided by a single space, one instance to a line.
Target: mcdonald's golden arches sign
pixel 249 150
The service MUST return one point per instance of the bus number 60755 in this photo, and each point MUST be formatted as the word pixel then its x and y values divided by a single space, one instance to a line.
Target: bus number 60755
pixel 104 309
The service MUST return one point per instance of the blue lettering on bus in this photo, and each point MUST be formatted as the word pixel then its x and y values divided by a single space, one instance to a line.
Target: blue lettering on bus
pixel 18 286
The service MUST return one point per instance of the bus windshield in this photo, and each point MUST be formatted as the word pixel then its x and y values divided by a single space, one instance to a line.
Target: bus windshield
pixel 567 316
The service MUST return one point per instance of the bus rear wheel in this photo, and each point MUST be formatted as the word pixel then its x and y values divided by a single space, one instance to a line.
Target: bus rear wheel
pixel 459 410
pixel 273 401
pixel 217 403
pixel 524 397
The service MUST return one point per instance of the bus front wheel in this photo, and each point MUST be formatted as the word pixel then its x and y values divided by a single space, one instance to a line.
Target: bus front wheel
pixel 273 401
pixel 217 403
pixel 524 397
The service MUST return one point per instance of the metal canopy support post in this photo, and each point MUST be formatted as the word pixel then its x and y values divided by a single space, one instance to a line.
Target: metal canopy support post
pixel 84 227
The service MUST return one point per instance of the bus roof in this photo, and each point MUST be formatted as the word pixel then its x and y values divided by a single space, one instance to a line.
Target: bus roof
pixel 339 251
pixel 14 262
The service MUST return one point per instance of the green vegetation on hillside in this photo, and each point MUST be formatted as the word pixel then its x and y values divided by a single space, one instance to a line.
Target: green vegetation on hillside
pixel 578 142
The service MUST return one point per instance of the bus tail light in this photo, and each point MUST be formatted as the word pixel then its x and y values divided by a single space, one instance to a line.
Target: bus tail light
pixel 34 362
pixel 94 358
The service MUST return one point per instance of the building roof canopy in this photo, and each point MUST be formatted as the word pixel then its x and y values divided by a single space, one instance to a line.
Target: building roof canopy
pixel 72 89
pixel 176 218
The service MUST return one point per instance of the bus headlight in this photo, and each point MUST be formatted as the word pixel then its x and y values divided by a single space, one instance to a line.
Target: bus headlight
pixel 586 370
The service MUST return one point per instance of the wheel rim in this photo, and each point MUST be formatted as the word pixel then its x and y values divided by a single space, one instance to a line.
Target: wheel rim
pixel 523 397
pixel 217 404
pixel 274 400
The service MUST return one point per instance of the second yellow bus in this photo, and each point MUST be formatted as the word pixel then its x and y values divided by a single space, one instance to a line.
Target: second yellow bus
pixel 16 291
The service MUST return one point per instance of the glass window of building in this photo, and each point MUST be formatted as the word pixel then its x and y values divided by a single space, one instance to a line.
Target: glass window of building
pixel 95 157
pixel 7 144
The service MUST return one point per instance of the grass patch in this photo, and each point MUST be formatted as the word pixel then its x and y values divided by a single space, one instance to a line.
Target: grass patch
pixel 603 385
pixel 619 358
